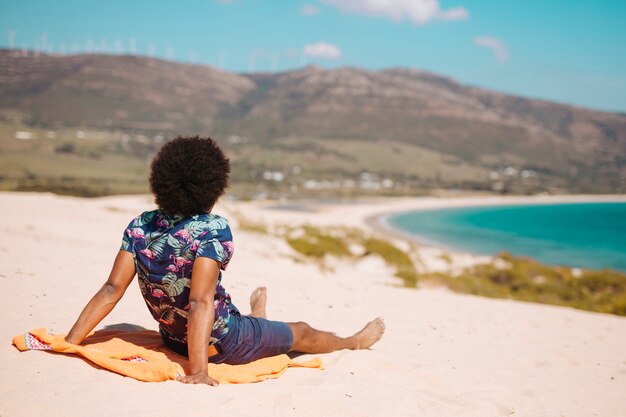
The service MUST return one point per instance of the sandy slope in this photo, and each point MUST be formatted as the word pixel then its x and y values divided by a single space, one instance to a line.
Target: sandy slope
pixel 443 354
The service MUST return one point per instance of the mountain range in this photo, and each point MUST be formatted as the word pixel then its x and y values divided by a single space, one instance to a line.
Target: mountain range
pixel 434 125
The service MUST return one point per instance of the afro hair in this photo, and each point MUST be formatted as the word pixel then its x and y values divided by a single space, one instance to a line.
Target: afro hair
pixel 188 175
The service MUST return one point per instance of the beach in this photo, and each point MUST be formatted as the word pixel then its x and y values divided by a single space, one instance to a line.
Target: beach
pixel 443 354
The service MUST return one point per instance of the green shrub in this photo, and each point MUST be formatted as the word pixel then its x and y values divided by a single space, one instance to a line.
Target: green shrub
pixel 393 257
pixel 391 254
pixel 409 276
pixel 317 244
pixel 528 280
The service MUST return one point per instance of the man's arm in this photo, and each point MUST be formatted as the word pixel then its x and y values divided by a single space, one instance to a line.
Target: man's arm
pixel 205 274
pixel 106 298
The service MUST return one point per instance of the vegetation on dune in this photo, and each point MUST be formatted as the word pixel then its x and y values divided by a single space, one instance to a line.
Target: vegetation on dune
pixel 316 243
pixel 525 279
pixel 507 276
pixel 393 256
pixel 319 243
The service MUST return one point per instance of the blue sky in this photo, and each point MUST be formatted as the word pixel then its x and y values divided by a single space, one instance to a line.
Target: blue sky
pixel 568 51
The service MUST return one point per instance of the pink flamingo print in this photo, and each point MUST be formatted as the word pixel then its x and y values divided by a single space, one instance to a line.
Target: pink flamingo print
pixel 180 261
pixel 228 245
pixel 161 222
pixel 148 253
pixel 136 232
pixel 184 234
pixel 158 293
pixel 229 249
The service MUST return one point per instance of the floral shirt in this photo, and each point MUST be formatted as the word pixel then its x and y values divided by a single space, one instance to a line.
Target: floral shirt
pixel 164 248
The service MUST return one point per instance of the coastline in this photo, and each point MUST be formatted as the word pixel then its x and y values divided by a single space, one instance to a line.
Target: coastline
pixel 380 222
pixel 371 214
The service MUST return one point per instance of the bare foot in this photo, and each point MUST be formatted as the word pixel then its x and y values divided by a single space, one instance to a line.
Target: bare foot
pixel 370 334
pixel 258 300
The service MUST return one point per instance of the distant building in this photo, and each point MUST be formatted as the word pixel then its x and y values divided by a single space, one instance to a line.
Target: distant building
pixel 22 134
pixel 276 176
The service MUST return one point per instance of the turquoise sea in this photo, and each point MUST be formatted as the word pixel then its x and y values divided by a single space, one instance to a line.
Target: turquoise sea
pixel 583 235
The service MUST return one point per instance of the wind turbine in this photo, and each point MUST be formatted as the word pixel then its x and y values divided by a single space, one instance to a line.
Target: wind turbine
pixel 302 58
pixel 252 62
pixel 11 39
pixel 119 48
pixel 103 45
pixel 89 46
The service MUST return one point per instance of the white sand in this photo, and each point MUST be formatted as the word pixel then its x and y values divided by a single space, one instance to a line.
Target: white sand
pixel 444 354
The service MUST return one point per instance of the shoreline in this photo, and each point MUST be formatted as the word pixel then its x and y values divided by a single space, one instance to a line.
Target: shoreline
pixel 380 222
pixel 370 214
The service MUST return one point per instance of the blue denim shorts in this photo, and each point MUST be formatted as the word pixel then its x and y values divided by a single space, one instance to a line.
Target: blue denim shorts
pixel 251 338
pixel 248 339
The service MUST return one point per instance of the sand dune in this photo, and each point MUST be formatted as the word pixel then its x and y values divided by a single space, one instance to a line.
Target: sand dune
pixel 444 354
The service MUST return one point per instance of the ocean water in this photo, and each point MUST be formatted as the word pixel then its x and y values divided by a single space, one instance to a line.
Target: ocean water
pixel 583 235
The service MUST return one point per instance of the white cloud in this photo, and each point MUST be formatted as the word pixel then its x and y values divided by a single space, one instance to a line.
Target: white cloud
pixel 322 50
pixel 309 10
pixel 495 45
pixel 418 12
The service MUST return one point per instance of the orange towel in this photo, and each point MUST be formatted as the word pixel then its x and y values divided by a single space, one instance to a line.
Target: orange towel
pixel 141 355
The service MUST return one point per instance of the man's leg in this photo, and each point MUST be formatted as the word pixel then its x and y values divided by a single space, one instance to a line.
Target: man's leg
pixel 309 340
